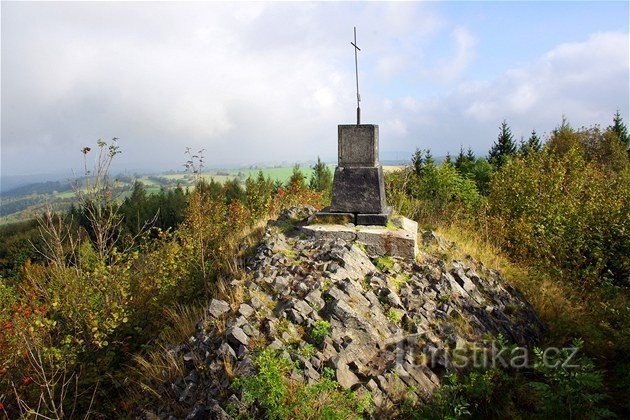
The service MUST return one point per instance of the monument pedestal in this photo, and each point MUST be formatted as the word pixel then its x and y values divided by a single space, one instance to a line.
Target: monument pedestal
pixel 399 239
pixel 358 194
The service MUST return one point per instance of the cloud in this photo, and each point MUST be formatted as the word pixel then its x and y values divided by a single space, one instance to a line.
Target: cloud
pixel 586 81
pixel 269 82
pixel 465 43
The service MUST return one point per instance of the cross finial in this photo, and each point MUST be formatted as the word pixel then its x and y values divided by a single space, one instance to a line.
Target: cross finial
pixel 356 72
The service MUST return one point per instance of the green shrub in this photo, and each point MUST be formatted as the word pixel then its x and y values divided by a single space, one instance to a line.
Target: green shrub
pixel 320 330
pixel 568 392
pixel 284 399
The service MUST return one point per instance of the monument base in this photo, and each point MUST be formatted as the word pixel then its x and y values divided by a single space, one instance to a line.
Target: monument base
pixel 327 217
pixel 358 190
pixel 399 240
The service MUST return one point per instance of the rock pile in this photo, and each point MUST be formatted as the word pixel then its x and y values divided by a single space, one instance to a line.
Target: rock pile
pixel 386 326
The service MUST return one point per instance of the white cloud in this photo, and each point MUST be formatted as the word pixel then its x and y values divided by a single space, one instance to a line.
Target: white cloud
pixel 270 81
pixel 465 43
pixel 586 81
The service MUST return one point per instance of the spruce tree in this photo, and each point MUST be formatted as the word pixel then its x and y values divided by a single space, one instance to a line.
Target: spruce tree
pixel 461 158
pixel 321 180
pixel 620 129
pixel 503 148
pixel 470 155
pixel 532 145
pixel 297 178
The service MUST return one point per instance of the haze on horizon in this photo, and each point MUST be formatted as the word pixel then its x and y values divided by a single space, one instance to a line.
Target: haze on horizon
pixel 269 82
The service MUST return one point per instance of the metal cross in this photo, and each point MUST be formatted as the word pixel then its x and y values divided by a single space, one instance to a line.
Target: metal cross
pixel 356 72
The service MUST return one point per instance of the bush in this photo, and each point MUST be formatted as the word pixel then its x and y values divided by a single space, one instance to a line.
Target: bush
pixel 281 398
pixel 564 213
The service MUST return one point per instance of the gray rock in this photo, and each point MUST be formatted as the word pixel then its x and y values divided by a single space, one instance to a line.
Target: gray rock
pixel 315 300
pixel 236 336
pixel 345 377
pixel 281 285
pixel 275 345
pixel 218 308
pixel 302 307
pixel 198 413
pixel 245 310
pixel 225 351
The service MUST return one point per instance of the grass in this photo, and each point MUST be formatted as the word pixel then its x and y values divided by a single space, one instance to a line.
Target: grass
pixel 159 366
pixel 394 315
pixel 567 311
pixel 384 263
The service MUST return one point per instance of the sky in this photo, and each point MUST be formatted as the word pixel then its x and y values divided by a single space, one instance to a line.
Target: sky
pixel 268 82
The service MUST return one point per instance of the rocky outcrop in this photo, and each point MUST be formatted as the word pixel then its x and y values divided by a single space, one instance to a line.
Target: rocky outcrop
pixel 390 327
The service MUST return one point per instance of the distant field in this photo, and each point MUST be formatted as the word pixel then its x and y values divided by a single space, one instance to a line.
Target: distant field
pixel 27 204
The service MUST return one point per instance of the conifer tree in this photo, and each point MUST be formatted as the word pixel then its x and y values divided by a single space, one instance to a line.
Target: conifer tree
pixel 321 180
pixel 297 178
pixel 534 142
pixel 503 148
pixel 620 129
pixel 470 155
pixel 461 158
pixel 532 145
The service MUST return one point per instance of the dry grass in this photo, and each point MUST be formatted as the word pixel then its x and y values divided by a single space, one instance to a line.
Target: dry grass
pixel 565 311
pixel 159 366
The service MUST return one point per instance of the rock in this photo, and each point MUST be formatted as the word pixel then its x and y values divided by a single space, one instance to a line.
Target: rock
pixel 302 307
pixel 217 413
pixel 189 360
pixel 198 413
pixel 245 310
pixel 296 214
pixel 315 300
pixel 320 301
pixel 431 238
pixel 345 377
pixel 281 285
pixel 236 336
pixel 218 308
pixel 275 345
pixel 225 351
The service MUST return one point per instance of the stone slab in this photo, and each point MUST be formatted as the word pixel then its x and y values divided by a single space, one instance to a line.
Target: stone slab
pixel 358 145
pixel 399 240
pixel 374 219
pixel 358 190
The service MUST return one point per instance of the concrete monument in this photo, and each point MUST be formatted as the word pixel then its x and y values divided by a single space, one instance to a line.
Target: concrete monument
pixel 359 211
pixel 358 194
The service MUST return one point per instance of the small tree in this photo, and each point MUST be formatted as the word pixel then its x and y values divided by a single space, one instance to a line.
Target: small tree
pixel 297 180
pixel 422 160
pixel 620 129
pixel 503 148
pixel 321 180
pixel 532 145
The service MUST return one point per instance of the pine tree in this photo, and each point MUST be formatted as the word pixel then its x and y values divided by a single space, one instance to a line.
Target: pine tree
pixel 422 160
pixel 461 158
pixel 620 129
pixel 321 180
pixel 503 148
pixel 532 145
pixel 297 178
pixel 470 155
pixel 534 142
